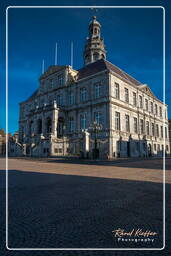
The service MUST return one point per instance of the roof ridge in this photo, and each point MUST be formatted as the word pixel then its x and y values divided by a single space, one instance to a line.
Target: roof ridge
pixel 124 72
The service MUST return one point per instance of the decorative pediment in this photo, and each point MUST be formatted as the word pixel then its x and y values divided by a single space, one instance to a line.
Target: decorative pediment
pixel 51 70
pixel 147 90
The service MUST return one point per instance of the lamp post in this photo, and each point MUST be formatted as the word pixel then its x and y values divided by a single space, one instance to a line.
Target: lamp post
pixel 95 128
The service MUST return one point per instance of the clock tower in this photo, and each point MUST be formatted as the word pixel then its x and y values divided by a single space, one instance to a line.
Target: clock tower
pixel 94 48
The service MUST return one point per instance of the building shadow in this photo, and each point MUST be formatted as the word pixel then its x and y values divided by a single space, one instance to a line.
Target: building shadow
pixel 134 162
pixel 71 211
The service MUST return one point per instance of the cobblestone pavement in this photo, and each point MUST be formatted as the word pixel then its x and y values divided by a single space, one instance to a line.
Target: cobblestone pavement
pixel 54 203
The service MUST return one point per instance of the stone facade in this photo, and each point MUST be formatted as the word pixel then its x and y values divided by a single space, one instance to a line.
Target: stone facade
pixel 98 107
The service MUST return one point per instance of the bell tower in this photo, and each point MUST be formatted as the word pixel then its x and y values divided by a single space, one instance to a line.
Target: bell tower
pixel 94 47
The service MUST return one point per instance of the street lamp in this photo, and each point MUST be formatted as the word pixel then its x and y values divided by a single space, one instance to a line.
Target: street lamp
pixel 95 128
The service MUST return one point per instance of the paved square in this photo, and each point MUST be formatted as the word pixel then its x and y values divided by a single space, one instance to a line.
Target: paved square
pixel 58 203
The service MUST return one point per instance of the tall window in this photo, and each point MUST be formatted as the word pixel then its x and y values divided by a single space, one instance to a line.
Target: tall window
pixel 83 94
pixel 97 88
pixel 117 121
pixel 126 95
pixel 157 130
pixel 135 125
pixel 134 99
pixel 161 130
pixel 51 82
pixel 147 128
pixel 166 132
pixel 117 91
pixel 141 126
pixel 160 111
pixel 152 107
pixel 152 129
pixel 140 101
pixel 60 99
pixel 60 79
pixel 71 98
pixel 146 104
pixel 156 109
pixel 98 117
pixel 83 121
pixel 71 124
pixel 127 125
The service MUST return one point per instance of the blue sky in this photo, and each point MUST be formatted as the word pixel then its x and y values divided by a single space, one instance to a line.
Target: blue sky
pixel 133 39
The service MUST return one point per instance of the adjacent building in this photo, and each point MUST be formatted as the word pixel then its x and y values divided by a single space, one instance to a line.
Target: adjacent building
pixel 96 111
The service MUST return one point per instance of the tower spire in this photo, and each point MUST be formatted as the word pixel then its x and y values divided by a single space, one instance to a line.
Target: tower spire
pixel 94 48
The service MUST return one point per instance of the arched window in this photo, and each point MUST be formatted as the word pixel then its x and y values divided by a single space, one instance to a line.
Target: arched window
pixel 61 126
pixel 30 127
pixel 39 126
pixel 48 125
pixel 102 56
pixel 95 31
pixel 95 56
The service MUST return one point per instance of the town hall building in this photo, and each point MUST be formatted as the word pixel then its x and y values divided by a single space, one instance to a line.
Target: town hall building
pixel 98 111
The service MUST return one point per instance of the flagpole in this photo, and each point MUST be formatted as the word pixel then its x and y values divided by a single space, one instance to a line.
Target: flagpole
pixel 71 53
pixel 43 66
pixel 56 52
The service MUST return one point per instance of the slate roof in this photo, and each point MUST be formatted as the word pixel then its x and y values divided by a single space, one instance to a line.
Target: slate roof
pixel 33 95
pixel 102 65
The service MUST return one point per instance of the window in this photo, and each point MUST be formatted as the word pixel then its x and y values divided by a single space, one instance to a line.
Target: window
pixel 166 132
pixel 60 80
pixel 83 94
pixel 117 121
pixel 51 83
pixel 156 109
pixel 140 101
pixel 152 129
pixel 98 117
pixel 71 98
pixel 127 125
pixel 146 104
pixel 161 130
pixel 97 88
pixel 152 107
pixel 147 128
pixel 167 148
pixel 60 99
pixel 160 111
pixel 83 121
pixel 158 147
pixel 154 147
pixel 141 126
pixel 157 130
pixel 126 95
pixel 135 125
pixel 117 91
pixel 71 124
pixel 134 99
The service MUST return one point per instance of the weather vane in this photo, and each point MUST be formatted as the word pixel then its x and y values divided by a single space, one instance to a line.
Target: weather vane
pixel 94 9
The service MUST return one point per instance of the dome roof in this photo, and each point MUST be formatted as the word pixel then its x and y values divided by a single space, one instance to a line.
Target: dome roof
pixel 94 21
